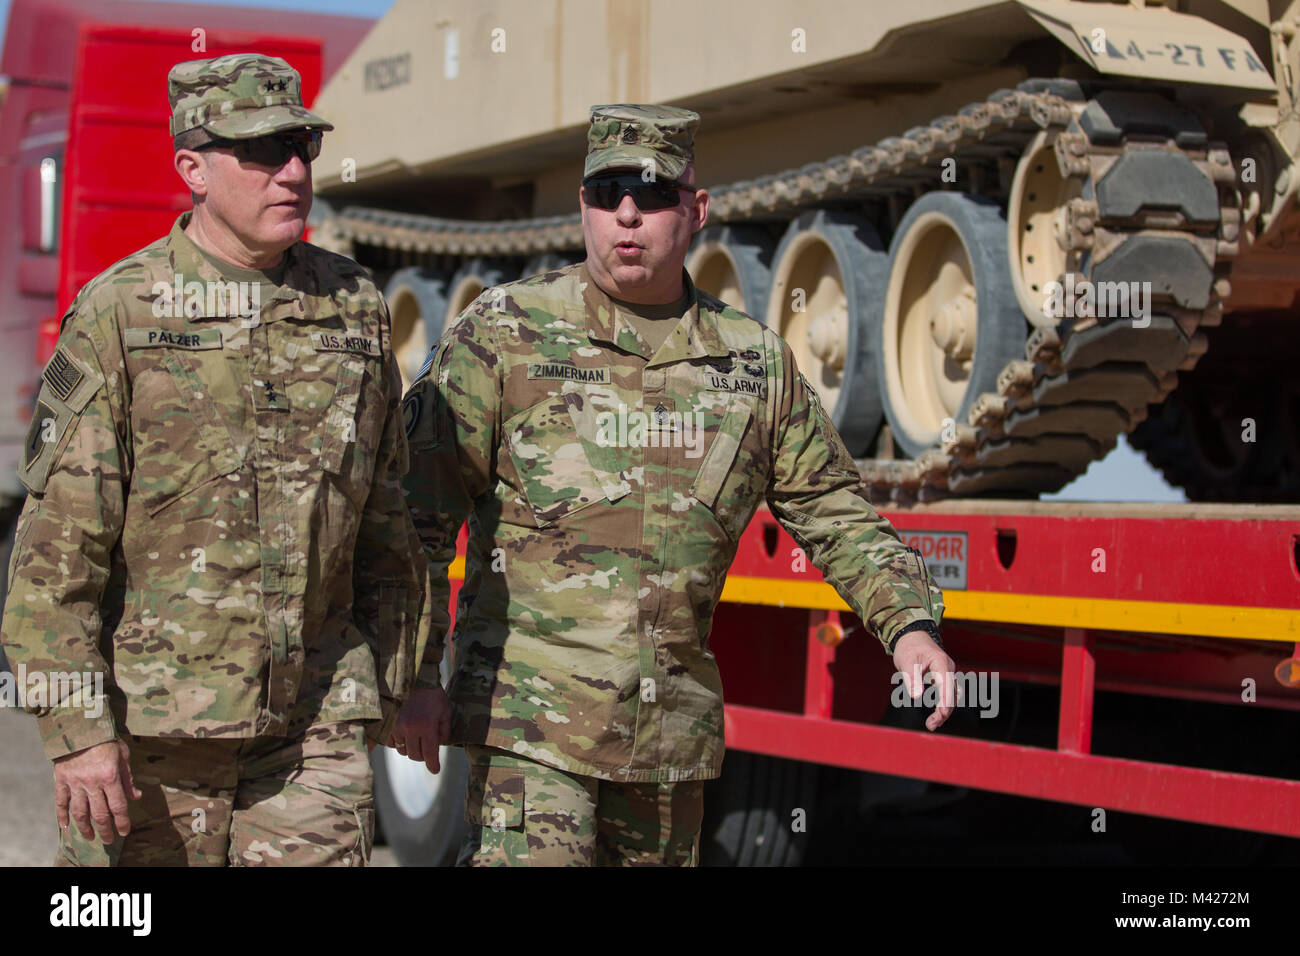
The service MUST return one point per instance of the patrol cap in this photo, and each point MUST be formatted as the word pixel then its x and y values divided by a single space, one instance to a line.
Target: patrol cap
pixel 626 135
pixel 238 96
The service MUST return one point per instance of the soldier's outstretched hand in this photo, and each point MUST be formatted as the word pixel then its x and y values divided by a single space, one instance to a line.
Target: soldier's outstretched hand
pixel 423 725
pixel 914 655
pixel 93 784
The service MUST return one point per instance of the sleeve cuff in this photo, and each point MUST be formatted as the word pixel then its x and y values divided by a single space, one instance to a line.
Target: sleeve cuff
pixel 923 624
pixel 377 731
pixel 67 730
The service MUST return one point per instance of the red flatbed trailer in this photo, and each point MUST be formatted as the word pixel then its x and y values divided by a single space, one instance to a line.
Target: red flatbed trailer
pixel 1197 602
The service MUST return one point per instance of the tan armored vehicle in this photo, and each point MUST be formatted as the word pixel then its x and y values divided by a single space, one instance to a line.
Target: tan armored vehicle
pixel 996 235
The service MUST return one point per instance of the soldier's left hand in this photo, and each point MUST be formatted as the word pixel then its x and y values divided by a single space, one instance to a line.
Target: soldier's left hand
pixel 423 725
pixel 914 655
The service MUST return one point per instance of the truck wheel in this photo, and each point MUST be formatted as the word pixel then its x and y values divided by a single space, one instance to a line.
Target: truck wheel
pixel 417 306
pixel 751 810
pixel 951 318
pixel 734 264
pixel 421 815
pixel 828 277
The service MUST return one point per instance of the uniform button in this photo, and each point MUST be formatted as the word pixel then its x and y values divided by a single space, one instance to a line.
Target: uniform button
pixel 653 379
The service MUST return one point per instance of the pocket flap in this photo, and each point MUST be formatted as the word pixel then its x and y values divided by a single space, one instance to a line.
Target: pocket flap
pixel 341 423
pixel 501 805
pixel 583 415
pixel 722 453
pixel 212 430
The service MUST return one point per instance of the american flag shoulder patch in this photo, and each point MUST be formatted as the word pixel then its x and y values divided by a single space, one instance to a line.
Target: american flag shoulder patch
pixel 62 375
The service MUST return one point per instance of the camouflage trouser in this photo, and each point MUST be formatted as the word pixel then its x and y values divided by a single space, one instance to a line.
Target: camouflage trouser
pixel 264 801
pixel 523 813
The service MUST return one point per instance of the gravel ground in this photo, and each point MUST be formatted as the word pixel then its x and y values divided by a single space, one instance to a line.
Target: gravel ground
pixel 28 836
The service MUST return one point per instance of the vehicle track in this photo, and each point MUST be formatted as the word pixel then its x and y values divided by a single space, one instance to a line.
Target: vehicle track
pixel 1158 203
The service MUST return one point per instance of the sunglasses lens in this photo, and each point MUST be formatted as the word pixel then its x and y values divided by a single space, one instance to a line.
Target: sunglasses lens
pixel 608 193
pixel 275 150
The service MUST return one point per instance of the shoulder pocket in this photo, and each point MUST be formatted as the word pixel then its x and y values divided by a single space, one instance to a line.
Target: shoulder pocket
pixel 722 453
pixel 67 386
pixel 341 423
pixel 353 429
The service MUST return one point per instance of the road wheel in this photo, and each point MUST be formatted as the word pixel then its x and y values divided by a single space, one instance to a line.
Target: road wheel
pixel 422 815
pixel 733 263
pixel 951 318
pixel 1039 195
pixel 469 282
pixel 751 810
pixel 417 307
pixel 828 273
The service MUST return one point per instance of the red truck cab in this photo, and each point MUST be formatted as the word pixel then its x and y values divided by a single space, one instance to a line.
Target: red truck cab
pixel 86 172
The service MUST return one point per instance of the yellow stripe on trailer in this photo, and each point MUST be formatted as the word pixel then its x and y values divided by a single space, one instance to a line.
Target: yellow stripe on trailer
pixel 1157 617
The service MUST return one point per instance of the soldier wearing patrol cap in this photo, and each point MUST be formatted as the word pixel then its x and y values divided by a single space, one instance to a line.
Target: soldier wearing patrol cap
pixel 215 554
pixel 609 430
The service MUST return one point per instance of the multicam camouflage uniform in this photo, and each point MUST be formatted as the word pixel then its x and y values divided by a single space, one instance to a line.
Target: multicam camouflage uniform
pixel 596 557
pixel 215 528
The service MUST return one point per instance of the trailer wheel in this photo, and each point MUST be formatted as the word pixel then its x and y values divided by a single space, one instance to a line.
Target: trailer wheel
pixel 828 277
pixel 421 815
pixel 751 811
pixel 951 317
pixel 733 263
pixel 417 306
pixel 469 282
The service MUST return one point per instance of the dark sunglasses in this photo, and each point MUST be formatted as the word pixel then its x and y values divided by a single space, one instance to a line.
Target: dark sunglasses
pixel 606 192
pixel 273 150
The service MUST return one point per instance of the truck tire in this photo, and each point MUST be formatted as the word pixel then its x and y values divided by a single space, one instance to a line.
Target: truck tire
pixel 750 812
pixel 421 815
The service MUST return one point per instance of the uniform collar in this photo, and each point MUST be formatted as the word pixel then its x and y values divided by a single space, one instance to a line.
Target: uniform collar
pixel 188 261
pixel 696 335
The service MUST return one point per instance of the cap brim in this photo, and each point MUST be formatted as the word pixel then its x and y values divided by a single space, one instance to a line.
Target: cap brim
pixel 633 158
pixel 270 119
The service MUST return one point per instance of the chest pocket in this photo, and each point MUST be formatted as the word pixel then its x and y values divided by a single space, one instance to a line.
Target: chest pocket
pixel 723 485
pixel 563 465
pixel 350 441
pixel 173 422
